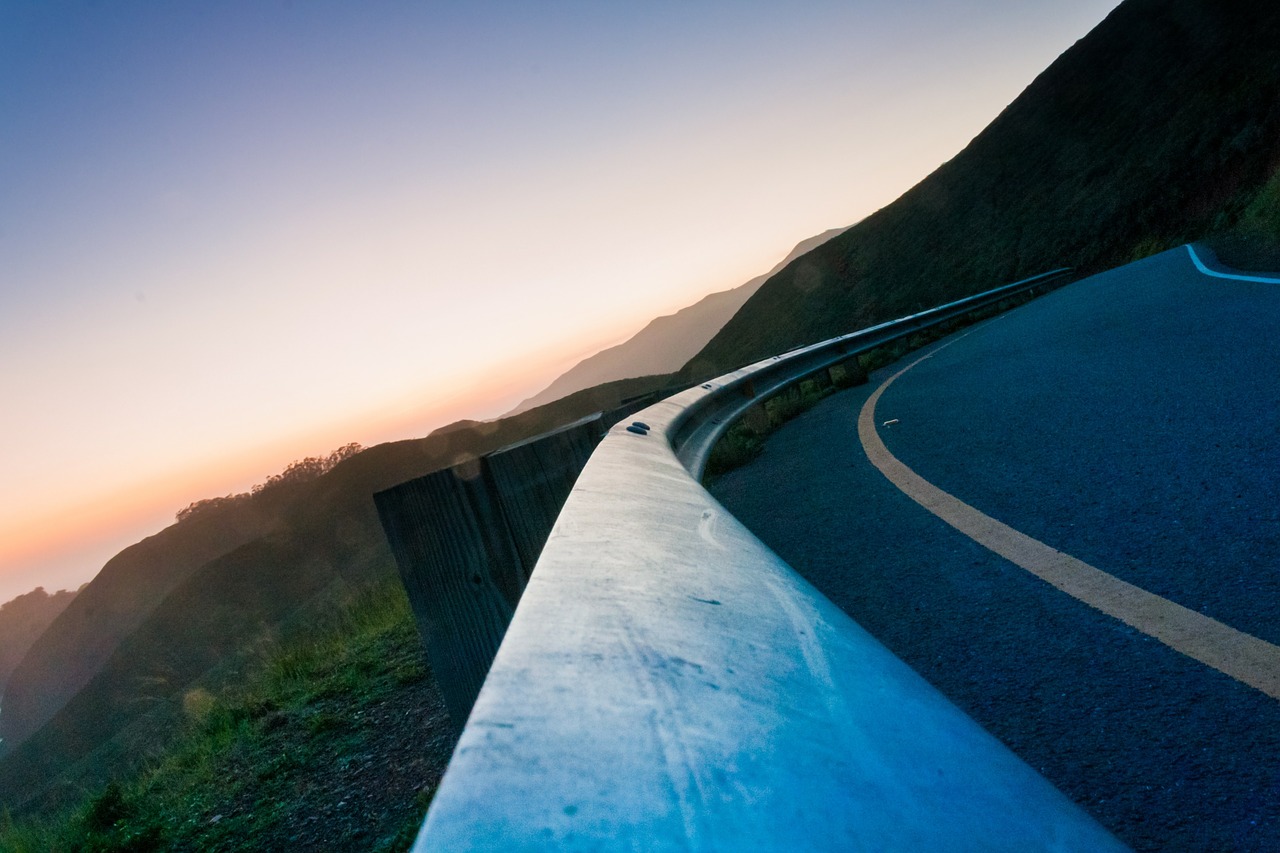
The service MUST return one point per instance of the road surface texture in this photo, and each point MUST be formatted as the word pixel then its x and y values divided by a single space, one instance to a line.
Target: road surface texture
pixel 1131 421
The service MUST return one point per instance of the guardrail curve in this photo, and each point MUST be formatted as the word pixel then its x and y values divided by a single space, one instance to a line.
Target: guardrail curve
pixel 668 683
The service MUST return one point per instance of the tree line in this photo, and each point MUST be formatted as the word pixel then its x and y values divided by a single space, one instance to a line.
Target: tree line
pixel 299 471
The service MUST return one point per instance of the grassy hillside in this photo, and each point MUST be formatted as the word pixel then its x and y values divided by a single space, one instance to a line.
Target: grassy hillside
pixel 334 740
pixel 1160 127
pixel 326 544
pixel 82 638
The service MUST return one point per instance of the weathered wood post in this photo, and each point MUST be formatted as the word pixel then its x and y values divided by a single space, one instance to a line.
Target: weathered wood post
pixel 459 573
pixel 532 479
pixel 466 539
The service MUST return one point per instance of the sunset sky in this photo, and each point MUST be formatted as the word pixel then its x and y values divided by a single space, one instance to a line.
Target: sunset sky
pixel 234 234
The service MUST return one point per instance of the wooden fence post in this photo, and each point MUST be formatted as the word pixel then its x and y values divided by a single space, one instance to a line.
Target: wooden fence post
pixel 466 539
pixel 443 546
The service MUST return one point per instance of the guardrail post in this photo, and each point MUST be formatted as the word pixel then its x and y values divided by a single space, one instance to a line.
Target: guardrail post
pixel 848 373
pixel 756 419
pixel 466 539
pixel 532 479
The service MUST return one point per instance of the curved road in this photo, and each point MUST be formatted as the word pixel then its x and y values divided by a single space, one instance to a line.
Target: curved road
pixel 1132 422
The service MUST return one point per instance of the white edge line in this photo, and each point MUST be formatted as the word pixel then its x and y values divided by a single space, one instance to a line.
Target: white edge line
pixel 1200 266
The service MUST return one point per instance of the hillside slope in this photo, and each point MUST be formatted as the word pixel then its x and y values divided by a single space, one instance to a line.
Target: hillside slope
pixel 666 343
pixel 1161 126
pixel 80 640
pixel 334 740
pixel 326 543
pixel 22 621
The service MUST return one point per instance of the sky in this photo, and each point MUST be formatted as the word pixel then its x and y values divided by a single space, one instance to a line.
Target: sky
pixel 235 234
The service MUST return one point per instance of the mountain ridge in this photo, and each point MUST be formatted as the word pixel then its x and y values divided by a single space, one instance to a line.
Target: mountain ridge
pixel 306 545
pixel 72 649
pixel 666 343
pixel 1159 127
pixel 22 620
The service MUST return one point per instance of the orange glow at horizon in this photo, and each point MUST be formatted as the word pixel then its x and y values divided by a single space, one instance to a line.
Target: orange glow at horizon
pixel 44 533
pixel 234 238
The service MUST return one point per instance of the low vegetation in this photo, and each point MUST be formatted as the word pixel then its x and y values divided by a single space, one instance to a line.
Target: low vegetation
pixel 745 438
pixel 300 471
pixel 333 740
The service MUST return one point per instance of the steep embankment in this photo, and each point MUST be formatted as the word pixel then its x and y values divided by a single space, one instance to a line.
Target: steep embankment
pixel 326 541
pixel 1159 127
pixel 666 343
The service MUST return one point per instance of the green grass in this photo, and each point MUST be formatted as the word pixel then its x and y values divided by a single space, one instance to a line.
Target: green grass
pixel 745 438
pixel 744 441
pixel 738 446
pixel 244 771
pixel 1253 242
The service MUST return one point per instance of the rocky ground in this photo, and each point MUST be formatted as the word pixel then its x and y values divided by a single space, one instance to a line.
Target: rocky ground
pixel 370 780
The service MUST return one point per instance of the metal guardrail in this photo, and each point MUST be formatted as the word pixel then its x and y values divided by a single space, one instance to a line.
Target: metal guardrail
pixel 466 539
pixel 668 683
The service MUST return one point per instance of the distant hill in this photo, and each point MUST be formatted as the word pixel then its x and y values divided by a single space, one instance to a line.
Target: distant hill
pixel 190 605
pixel 107 610
pixel 668 342
pixel 24 619
pixel 1161 126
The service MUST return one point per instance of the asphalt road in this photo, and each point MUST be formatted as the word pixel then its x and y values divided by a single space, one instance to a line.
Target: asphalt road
pixel 1131 420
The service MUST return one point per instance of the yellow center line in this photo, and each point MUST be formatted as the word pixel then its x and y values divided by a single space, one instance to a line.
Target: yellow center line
pixel 1242 656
